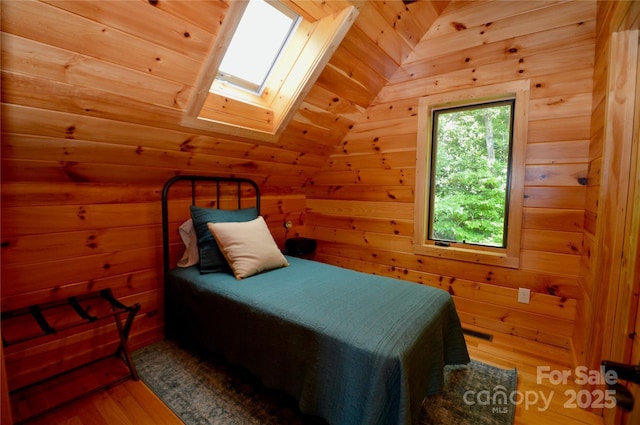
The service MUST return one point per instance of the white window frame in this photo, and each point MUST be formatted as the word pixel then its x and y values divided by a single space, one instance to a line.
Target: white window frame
pixel 509 256
pixel 243 83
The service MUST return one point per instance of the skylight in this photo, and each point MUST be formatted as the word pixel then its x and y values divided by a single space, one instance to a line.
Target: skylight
pixel 231 99
pixel 257 42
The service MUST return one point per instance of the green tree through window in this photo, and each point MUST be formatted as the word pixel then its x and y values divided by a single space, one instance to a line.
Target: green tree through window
pixel 470 173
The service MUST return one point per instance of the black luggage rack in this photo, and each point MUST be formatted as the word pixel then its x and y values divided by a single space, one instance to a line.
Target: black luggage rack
pixel 35 322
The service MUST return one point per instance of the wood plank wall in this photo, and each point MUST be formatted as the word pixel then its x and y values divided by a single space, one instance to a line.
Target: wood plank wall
pixel 360 205
pixel 91 105
pixel 92 100
pixel 594 282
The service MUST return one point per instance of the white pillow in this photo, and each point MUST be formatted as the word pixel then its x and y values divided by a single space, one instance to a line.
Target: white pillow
pixel 248 247
pixel 191 254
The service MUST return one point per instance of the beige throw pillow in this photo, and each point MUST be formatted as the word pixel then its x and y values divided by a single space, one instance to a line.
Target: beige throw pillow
pixel 248 247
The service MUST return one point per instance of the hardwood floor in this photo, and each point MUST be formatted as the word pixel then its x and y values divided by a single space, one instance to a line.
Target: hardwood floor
pixel 132 403
pixel 129 403
pixel 526 356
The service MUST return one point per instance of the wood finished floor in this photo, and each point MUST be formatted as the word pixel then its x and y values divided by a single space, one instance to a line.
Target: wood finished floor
pixel 132 403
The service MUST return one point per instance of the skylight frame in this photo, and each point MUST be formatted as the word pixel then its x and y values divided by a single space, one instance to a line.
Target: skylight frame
pixel 254 87
pixel 265 117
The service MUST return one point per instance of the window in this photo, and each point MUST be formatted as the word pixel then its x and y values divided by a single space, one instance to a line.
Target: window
pixel 227 100
pixel 256 45
pixel 470 174
pixel 471 164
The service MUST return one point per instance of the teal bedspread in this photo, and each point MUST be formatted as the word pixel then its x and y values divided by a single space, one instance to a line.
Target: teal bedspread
pixel 351 347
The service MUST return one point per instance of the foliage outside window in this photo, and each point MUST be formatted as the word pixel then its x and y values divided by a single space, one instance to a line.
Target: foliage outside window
pixel 470 174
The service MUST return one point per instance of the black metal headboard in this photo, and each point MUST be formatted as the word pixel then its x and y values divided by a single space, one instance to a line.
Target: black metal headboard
pixel 194 180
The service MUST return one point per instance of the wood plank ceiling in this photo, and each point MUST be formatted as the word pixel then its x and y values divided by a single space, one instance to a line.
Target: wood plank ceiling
pixel 72 62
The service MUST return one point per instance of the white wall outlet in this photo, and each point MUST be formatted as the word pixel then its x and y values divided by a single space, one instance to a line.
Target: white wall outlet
pixel 524 295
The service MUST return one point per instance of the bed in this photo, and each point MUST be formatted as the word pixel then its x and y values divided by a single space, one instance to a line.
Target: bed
pixel 350 347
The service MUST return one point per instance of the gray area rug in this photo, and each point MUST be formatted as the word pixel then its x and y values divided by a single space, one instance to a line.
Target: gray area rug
pixel 203 389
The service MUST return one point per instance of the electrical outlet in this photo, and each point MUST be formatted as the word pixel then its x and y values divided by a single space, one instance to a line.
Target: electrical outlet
pixel 524 295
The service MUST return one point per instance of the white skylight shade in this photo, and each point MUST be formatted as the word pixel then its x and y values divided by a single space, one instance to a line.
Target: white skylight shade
pixel 256 44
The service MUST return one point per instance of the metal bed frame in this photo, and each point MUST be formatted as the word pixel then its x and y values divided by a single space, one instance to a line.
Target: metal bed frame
pixel 195 179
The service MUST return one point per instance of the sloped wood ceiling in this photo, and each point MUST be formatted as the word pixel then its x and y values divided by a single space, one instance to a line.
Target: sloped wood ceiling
pixel 108 82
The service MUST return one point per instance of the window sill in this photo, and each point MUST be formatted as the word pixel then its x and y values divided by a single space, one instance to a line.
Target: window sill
pixel 499 257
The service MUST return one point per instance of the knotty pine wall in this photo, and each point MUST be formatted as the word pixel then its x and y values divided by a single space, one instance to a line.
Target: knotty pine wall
pixel 92 100
pixel 360 204
pixel 91 105
pixel 602 203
